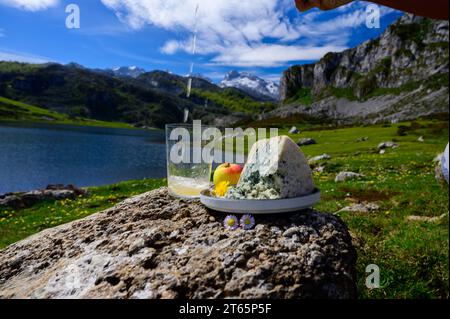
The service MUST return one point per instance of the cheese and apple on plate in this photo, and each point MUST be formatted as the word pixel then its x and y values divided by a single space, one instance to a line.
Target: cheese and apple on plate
pixel 276 179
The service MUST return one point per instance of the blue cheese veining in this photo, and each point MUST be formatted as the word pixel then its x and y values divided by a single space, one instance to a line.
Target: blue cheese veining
pixel 276 168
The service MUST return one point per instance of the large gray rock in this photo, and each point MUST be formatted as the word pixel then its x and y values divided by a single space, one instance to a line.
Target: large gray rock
pixel 155 246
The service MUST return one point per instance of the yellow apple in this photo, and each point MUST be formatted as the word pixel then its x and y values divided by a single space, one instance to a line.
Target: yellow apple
pixel 227 173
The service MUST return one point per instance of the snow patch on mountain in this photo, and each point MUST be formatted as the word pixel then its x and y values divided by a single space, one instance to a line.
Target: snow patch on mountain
pixel 128 71
pixel 251 84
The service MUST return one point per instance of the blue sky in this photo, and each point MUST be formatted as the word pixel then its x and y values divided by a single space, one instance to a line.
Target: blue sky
pixel 263 37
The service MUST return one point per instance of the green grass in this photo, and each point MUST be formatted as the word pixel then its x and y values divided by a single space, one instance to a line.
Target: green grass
pixel 303 96
pixel 415 32
pixel 412 256
pixel 6 66
pixel 234 101
pixel 435 82
pixel 14 111
pixel 16 225
pixel 369 89
pixel 346 93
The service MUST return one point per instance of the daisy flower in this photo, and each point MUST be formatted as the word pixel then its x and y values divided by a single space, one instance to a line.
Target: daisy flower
pixel 231 222
pixel 247 222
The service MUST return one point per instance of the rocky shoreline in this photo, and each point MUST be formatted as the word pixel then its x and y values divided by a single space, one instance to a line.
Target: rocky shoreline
pixel 23 200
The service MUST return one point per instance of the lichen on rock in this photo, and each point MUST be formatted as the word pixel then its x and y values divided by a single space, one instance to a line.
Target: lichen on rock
pixel 156 246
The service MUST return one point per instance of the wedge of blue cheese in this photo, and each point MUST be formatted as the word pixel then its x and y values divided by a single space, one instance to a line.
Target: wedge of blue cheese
pixel 276 168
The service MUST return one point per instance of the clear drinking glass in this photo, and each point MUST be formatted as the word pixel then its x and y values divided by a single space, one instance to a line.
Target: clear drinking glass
pixel 187 173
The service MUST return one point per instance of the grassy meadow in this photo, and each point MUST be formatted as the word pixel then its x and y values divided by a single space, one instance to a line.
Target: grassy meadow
pixel 412 255
pixel 14 111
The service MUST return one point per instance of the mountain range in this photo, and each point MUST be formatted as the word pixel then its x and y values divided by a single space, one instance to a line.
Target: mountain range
pixel 150 99
pixel 401 75
pixel 253 85
pixel 128 71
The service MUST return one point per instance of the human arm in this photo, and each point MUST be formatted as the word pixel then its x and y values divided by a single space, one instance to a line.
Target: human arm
pixel 435 9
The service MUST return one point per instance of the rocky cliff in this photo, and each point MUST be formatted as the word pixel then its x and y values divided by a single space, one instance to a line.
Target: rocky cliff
pixel 155 246
pixel 401 74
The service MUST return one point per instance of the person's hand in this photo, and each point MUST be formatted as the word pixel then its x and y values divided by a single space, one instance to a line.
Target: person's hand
pixel 304 5
pixel 435 9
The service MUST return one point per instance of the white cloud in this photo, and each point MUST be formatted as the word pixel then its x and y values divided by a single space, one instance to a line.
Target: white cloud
pixel 30 5
pixel 244 32
pixel 7 55
pixel 171 47
pixel 272 55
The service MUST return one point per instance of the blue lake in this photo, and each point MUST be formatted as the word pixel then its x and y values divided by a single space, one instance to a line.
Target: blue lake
pixel 35 155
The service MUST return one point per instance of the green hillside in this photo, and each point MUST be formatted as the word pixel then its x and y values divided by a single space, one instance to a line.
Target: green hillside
pixel 235 100
pixel 154 99
pixel 14 111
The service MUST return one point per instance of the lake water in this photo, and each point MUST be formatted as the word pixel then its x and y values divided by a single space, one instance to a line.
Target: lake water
pixel 35 155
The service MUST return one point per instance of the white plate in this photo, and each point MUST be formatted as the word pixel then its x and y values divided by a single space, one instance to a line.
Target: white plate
pixel 259 206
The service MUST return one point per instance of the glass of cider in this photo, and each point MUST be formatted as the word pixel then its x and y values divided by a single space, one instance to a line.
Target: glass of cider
pixel 188 173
